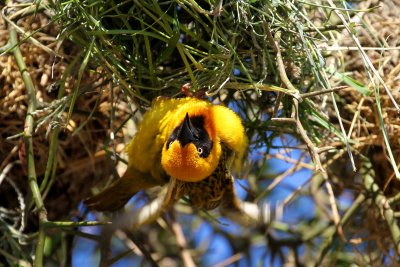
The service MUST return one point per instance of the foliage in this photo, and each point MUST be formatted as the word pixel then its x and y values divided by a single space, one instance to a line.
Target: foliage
pixel 299 75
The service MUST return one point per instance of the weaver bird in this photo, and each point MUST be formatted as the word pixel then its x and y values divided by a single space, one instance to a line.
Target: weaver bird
pixel 187 144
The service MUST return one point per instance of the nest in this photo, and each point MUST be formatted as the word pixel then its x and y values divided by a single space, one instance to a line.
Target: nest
pixel 134 53
pixel 360 111
pixel 78 166
pixel 367 122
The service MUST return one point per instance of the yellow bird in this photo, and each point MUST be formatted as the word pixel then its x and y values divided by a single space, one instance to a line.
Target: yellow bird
pixel 187 143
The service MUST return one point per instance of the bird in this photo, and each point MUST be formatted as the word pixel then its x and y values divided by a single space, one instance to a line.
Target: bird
pixel 189 145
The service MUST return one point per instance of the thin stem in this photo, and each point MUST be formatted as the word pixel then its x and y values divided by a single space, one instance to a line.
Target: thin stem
pixel 383 204
pixel 274 41
pixel 181 240
pixel 147 255
pixel 29 128
pixel 317 93
pixel 300 128
pixel 331 230
pixel 73 224
pixel 51 162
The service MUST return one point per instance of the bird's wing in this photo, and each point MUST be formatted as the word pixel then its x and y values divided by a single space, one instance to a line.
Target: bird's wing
pixel 118 193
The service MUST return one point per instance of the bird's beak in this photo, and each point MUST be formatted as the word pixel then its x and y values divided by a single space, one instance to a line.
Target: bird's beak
pixel 185 135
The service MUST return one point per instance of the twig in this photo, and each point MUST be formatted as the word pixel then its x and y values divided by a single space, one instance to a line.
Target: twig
pixel 394 200
pixel 295 115
pixel 216 12
pixel 216 91
pixel 282 73
pixel 29 9
pixel 5 48
pixel 280 178
pixel 329 232
pixel 249 214
pixel 316 93
pixel 52 160
pixel 122 255
pixel 181 241
pixel 142 248
pixel 21 201
pixel 274 41
pixel 105 246
pixel 290 120
pixel 132 248
pixel 291 160
pixel 230 261
pixel 340 8
pixel 327 28
pixel 277 104
pixel 359 142
pixel 82 234
pixel 9 156
pixel 353 122
pixel 18 216
pixel 55 224
pixel 5 171
pixel 355 48
pixel 311 147
pixel 315 155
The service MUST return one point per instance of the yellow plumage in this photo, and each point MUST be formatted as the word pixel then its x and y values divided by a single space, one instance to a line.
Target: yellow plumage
pixel 182 139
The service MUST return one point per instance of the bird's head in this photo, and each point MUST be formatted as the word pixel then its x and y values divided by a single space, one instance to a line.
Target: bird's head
pixel 192 151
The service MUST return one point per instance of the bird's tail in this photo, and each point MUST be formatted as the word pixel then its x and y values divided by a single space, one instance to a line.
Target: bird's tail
pixel 110 199
pixel 119 192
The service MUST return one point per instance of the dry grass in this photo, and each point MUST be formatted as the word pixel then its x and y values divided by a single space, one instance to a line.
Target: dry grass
pixel 77 160
pixel 88 110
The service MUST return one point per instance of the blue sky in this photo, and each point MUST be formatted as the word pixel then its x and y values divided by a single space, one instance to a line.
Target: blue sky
pixel 218 248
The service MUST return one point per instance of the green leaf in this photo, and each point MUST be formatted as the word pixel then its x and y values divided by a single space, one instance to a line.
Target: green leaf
pixel 320 119
pixel 171 45
pixel 353 83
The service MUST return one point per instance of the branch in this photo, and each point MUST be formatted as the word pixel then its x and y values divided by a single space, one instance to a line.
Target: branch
pixel 29 128
pixel 274 41
pixel 295 115
pixel 181 241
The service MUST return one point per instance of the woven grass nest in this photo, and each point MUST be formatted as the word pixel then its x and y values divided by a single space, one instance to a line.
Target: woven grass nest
pixel 117 84
pixel 77 160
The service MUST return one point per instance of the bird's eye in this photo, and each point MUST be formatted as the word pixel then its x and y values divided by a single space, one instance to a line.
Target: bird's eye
pixel 200 150
pixel 168 144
